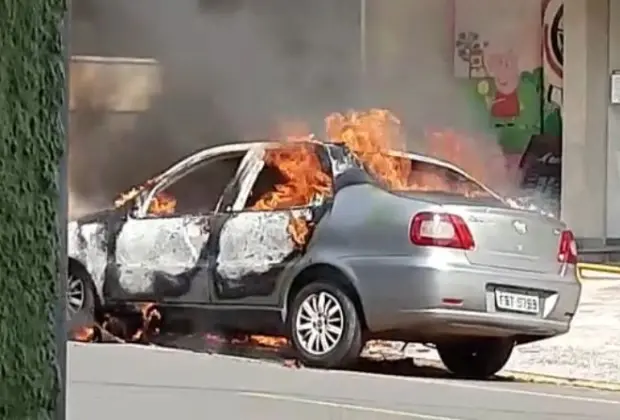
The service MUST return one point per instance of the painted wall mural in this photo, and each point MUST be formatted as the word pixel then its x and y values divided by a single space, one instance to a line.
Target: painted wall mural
pixel 502 57
pixel 553 62
pixel 510 55
pixel 516 78
pixel 545 150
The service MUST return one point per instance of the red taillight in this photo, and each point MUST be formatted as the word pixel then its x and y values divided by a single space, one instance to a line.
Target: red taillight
pixel 440 229
pixel 568 248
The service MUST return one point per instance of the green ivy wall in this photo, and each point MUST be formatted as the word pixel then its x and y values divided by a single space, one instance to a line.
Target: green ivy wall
pixel 31 147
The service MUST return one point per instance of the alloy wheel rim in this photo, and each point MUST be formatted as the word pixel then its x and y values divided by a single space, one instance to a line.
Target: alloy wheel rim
pixel 319 324
pixel 75 295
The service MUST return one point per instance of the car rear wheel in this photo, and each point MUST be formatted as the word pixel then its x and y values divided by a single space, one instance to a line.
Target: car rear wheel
pixel 476 358
pixel 324 326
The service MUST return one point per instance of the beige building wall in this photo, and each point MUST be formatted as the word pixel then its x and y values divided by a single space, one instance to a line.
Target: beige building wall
pixel 115 84
pixel 105 97
pixel 613 129
pixel 591 152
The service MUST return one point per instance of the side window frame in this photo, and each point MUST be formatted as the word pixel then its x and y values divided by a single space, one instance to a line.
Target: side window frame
pixel 148 196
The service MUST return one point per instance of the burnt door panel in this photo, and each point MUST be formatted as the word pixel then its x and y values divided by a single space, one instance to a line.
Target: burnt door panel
pixel 250 252
pixel 161 259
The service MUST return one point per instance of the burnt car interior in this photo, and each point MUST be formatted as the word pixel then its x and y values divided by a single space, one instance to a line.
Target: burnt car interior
pixel 267 181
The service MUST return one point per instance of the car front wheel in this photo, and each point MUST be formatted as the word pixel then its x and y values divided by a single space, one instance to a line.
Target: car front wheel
pixel 324 326
pixel 476 358
pixel 80 297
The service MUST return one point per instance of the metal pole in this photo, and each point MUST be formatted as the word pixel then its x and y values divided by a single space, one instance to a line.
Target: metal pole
pixel 363 40
pixel 363 53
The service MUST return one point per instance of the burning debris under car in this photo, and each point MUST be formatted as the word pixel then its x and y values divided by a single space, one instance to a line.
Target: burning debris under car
pixel 262 239
pixel 136 324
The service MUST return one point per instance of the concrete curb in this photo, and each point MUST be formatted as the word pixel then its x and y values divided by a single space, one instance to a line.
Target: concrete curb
pixel 588 272
pixel 535 378
pixel 557 380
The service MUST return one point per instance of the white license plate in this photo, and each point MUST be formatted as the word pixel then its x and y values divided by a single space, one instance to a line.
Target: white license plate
pixel 517 302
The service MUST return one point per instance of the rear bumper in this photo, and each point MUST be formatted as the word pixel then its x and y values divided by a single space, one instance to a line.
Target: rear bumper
pixel 441 322
pixel 404 299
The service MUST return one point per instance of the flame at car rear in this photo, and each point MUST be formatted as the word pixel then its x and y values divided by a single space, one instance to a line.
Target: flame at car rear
pixel 372 134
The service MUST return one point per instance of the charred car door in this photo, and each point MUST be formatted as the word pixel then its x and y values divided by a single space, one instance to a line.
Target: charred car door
pixel 160 252
pixel 253 244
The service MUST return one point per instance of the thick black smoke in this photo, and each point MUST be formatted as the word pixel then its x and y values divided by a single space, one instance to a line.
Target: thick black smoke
pixel 230 69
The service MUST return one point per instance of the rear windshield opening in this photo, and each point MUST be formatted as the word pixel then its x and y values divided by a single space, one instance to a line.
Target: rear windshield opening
pixel 430 178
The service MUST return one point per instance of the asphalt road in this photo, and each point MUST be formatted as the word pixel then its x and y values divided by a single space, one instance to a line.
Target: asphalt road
pixel 126 382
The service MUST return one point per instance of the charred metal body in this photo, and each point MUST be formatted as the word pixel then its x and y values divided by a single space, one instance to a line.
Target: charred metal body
pixel 234 268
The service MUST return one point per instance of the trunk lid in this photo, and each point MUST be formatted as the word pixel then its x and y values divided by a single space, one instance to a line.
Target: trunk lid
pixel 510 238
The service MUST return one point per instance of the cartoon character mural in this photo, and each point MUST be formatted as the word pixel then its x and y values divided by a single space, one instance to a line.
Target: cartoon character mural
pixel 503 69
pixel 511 61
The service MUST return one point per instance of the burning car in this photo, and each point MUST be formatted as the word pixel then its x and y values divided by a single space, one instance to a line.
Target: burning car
pixel 332 244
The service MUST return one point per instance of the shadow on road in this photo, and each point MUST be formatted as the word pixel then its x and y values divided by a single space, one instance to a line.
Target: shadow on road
pixel 374 362
pixel 378 358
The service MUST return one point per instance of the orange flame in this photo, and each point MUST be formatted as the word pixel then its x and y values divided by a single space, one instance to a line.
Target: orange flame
pixel 269 341
pixel 163 204
pixel 84 334
pixel 150 317
pixel 303 177
pixel 303 180
pixel 299 230
pixel 370 135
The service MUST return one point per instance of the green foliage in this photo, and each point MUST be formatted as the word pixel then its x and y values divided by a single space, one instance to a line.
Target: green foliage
pixel 31 146
pixel 553 122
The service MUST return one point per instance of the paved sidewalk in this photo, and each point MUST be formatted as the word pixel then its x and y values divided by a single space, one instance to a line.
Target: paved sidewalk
pixel 590 351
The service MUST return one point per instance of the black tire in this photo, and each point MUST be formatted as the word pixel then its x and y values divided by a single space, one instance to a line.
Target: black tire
pixel 476 358
pixel 347 348
pixel 87 310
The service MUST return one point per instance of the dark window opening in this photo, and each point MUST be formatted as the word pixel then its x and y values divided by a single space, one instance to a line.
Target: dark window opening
pixel 266 182
pixel 434 178
pixel 199 191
